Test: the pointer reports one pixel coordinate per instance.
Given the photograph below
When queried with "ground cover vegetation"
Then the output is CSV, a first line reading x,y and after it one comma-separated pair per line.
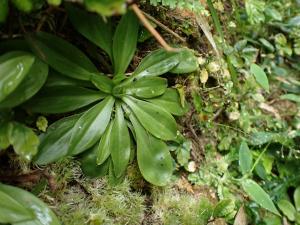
x,y
149,112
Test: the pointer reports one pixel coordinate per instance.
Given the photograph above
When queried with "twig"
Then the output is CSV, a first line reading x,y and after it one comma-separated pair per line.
x,y
164,27
150,28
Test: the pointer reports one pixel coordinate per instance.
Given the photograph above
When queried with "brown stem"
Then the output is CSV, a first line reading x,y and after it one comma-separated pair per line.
x,y
150,28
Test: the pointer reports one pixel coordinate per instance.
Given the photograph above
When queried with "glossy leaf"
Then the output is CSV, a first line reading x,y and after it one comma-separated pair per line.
x,y
291,97
54,144
57,79
297,198
157,121
24,141
93,27
153,156
148,87
32,83
91,125
104,147
120,143
245,158
156,63
102,82
188,62
42,214
170,101
287,208
61,56
61,99
124,42
89,166
12,211
259,195
14,66
260,76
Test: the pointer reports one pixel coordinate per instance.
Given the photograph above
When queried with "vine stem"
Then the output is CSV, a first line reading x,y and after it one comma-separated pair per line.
x,y
139,13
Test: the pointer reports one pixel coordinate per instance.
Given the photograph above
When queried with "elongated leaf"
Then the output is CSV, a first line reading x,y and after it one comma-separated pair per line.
x,y
57,79
24,141
89,166
93,27
170,101
259,195
91,125
154,159
12,211
32,83
120,143
104,149
62,99
124,42
154,119
224,208
148,87
297,198
291,97
61,56
188,62
245,158
287,208
42,214
260,76
156,63
102,82
54,144
14,67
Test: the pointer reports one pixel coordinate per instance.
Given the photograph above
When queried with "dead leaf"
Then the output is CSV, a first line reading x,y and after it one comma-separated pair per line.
x,y
241,217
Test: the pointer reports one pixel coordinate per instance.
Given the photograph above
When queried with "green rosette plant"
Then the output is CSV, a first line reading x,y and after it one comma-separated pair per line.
x,y
111,114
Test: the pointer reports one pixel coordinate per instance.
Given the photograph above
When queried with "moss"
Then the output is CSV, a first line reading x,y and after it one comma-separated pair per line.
x,y
173,207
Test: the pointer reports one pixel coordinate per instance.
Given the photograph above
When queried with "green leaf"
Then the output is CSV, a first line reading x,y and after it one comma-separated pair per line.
x,y
104,147
106,7
120,143
91,125
260,138
24,141
14,66
92,27
206,209
148,87
188,62
5,129
297,198
291,97
89,166
245,158
224,208
54,144
153,156
170,101
156,63
32,83
11,211
259,195
154,119
61,99
124,42
61,56
57,79
288,209
42,214
260,76
102,82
